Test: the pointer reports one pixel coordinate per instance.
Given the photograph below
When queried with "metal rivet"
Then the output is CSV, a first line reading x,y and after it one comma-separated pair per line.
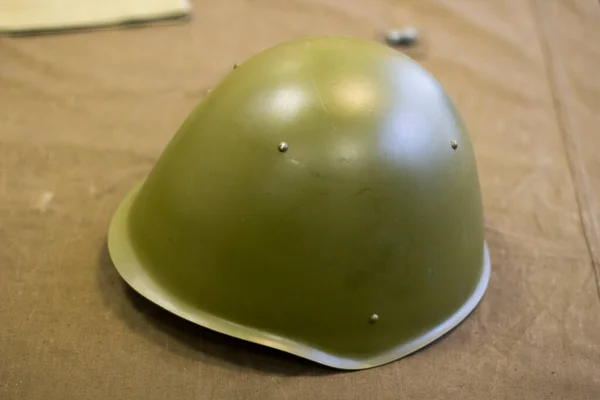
x,y
283,146
374,318
454,144
236,65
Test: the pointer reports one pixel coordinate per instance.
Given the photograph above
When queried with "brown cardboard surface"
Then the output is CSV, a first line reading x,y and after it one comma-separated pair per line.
x,y
574,65
84,116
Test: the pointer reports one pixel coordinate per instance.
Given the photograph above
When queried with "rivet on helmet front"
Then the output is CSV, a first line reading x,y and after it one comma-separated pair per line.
x,y
283,146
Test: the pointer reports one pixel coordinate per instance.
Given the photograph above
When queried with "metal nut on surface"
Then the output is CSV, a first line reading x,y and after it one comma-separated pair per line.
x,y
401,37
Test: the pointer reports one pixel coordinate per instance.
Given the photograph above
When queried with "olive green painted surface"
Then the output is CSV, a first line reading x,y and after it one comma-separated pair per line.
x,y
370,210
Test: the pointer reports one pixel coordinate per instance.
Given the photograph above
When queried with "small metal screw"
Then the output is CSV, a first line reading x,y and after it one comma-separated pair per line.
x,y
374,318
283,146
401,37
454,144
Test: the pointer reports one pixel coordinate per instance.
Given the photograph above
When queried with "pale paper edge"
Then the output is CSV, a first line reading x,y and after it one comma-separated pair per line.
x,y
39,15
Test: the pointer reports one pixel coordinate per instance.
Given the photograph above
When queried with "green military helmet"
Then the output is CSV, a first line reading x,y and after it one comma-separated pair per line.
x,y
323,200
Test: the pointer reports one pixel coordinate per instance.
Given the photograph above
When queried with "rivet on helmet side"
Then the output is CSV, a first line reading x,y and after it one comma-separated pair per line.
x,y
283,146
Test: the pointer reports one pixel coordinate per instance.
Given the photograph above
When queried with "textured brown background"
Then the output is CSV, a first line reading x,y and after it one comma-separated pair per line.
x,y
84,116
